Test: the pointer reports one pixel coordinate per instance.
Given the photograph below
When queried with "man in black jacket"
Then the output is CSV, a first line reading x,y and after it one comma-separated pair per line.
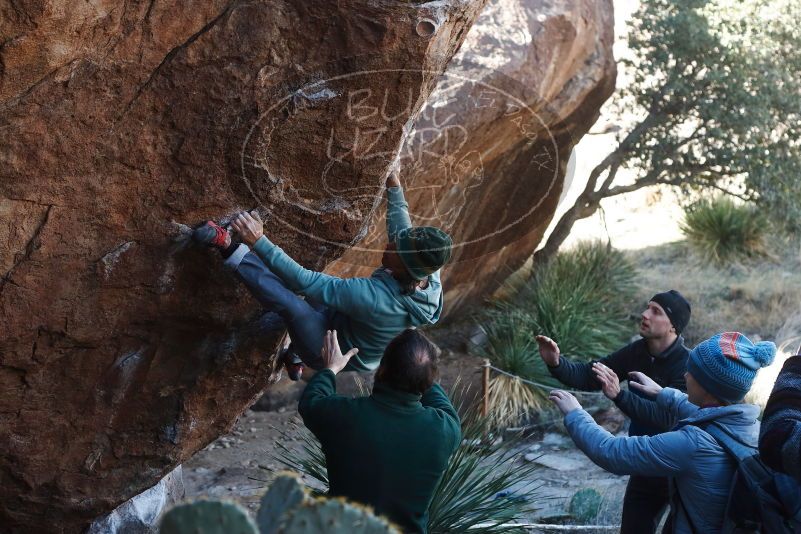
x,y
659,354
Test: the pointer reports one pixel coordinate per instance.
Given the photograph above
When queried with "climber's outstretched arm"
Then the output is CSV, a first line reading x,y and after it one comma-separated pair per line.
x,y
397,208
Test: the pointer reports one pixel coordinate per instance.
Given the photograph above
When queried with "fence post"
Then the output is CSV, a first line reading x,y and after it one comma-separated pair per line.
x,y
485,389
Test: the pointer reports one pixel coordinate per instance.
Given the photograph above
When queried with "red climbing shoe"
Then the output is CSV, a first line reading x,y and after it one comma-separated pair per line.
x,y
292,364
212,235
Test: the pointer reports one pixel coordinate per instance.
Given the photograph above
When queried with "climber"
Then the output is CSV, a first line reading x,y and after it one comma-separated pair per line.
x,y
405,291
720,371
388,450
659,353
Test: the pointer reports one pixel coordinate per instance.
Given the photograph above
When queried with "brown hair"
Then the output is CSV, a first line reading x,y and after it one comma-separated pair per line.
x,y
409,363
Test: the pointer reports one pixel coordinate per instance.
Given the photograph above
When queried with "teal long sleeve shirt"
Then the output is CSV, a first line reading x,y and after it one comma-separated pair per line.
x,y
370,311
388,450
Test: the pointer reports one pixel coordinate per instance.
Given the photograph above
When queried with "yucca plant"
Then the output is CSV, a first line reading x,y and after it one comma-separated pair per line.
x,y
581,298
511,347
309,462
722,230
483,489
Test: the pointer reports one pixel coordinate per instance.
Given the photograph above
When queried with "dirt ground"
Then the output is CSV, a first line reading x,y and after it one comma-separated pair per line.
x,y
240,465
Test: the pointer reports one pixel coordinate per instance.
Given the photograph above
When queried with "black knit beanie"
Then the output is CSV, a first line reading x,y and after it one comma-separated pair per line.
x,y
676,307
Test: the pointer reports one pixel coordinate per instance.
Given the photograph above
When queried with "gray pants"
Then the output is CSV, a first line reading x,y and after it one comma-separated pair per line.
x,y
305,320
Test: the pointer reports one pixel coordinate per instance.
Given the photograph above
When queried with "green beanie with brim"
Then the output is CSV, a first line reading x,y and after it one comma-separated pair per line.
x,y
423,250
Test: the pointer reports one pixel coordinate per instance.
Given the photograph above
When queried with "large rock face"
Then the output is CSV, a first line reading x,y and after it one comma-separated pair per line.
x,y
122,349
488,154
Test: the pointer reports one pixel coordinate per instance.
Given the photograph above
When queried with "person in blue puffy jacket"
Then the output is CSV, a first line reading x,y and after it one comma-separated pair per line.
x,y
720,372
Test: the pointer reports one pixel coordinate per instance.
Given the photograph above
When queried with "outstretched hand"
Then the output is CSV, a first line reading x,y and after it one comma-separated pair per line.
x,y
248,226
610,384
549,350
642,383
393,180
332,354
566,402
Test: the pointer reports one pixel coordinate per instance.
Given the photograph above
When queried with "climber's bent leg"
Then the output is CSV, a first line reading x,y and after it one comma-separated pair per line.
x,y
306,323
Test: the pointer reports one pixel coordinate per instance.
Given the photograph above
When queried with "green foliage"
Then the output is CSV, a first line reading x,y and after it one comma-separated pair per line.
x,y
285,493
468,493
714,102
310,461
724,231
511,347
483,488
334,515
580,299
285,508
718,95
207,517
510,344
585,505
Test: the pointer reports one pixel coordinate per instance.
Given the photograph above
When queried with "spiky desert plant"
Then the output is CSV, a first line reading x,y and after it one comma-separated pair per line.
x,y
207,517
309,461
510,347
723,231
475,491
485,489
580,299
286,508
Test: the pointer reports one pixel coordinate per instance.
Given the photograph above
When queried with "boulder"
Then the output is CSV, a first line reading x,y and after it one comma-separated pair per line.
x,y
140,514
488,155
123,350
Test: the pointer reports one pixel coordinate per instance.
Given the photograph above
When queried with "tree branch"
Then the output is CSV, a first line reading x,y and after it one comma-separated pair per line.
x,y
726,191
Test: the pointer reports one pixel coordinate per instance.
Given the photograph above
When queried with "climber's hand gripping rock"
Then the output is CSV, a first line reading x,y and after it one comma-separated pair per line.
x,y
249,227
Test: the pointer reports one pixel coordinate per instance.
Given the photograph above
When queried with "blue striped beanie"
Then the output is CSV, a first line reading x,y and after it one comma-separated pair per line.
x,y
726,364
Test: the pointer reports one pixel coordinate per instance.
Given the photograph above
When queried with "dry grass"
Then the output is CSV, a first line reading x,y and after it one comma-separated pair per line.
x,y
510,400
760,298
756,298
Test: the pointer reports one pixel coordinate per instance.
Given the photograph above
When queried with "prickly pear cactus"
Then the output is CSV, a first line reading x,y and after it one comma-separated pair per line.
x,y
585,505
285,493
207,517
335,515
285,509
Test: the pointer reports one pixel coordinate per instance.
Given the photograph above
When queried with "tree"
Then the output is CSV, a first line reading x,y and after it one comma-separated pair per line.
x,y
717,94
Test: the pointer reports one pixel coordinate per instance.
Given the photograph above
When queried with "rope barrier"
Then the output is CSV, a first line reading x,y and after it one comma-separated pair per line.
x,y
590,410
552,527
542,386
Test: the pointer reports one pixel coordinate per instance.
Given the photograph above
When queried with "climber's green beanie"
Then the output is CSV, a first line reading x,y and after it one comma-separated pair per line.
x,y
423,250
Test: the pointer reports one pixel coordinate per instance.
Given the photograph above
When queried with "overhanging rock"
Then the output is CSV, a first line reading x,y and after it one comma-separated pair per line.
x,y
122,350
488,155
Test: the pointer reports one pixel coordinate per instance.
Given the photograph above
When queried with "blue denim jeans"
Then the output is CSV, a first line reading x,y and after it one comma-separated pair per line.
x,y
305,320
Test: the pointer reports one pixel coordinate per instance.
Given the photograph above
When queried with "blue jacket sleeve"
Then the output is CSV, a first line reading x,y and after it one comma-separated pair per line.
x,y
437,399
662,455
355,297
397,212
